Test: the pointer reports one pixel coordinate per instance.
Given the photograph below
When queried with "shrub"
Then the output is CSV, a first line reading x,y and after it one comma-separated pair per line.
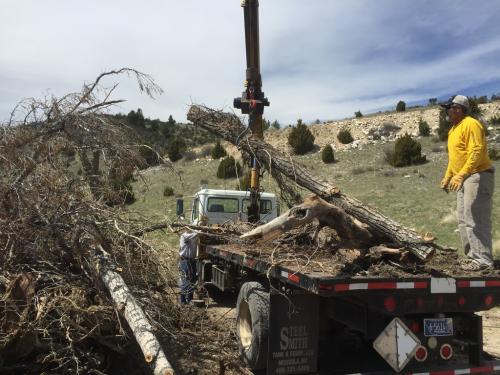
x,y
344,136
401,106
301,139
494,153
327,154
228,168
407,151
176,148
168,191
423,128
358,114
218,151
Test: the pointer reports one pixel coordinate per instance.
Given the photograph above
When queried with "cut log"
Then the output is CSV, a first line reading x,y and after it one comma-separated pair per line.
x,y
229,127
314,208
133,313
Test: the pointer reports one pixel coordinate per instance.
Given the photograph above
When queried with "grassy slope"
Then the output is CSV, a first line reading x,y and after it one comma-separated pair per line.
x,y
409,195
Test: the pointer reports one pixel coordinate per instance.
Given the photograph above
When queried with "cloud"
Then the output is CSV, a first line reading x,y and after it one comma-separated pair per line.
x,y
318,59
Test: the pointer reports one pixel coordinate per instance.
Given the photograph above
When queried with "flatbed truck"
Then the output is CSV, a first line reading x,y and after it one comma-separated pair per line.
x,y
292,319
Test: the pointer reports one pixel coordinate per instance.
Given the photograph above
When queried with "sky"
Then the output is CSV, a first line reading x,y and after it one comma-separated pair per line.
x,y
321,59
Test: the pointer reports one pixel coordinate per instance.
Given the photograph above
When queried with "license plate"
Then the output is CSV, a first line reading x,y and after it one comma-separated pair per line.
x,y
438,327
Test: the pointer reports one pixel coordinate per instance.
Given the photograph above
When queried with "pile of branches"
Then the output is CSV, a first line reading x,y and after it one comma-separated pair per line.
x,y
55,315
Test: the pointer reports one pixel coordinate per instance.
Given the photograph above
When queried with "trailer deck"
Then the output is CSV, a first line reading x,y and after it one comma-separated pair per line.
x,y
319,274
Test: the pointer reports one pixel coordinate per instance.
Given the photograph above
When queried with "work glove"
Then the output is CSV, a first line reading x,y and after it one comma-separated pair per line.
x,y
457,181
444,183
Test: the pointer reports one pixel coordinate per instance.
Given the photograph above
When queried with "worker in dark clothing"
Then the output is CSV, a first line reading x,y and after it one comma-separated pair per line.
x,y
187,265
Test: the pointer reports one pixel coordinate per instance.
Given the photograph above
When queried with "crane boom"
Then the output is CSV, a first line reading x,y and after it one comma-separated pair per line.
x,y
252,100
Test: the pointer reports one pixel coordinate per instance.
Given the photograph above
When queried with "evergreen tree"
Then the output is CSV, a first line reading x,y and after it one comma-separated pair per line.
x,y
171,121
132,118
176,148
344,136
139,118
407,151
327,154
401,106
218,151
301,139
275,125
423,128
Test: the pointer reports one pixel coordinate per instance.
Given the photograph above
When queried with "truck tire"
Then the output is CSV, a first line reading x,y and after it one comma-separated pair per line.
x,y
252,324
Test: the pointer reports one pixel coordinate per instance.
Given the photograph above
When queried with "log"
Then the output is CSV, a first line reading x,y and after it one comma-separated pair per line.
x,y
132,312
230,128
314,208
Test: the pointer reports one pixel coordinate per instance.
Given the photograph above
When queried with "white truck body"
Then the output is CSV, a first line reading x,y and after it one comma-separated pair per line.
x,y
221,206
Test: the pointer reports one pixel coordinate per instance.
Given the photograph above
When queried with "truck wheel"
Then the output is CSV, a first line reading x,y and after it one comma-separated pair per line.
x,y
252,324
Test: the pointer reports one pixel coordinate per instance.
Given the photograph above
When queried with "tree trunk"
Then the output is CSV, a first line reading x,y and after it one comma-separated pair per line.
x,y
314,208
229,127
133,314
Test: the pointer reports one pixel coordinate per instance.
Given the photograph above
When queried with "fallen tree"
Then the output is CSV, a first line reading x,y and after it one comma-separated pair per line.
x,y
125,302
230,128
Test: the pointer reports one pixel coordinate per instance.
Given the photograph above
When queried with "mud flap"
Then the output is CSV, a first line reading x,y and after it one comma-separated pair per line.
x,y
293,333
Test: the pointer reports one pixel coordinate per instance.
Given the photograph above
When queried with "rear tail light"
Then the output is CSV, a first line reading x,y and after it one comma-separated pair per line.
x,y
446,351
461,300
488,300
421,354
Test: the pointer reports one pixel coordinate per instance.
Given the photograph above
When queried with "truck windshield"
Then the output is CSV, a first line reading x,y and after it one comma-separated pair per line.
x,y
229,205
265,205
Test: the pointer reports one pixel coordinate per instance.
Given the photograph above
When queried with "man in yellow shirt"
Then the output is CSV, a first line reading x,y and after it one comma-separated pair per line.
x,y
471,174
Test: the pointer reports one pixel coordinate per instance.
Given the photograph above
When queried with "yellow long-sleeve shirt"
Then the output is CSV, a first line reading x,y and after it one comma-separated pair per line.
x,y
467,151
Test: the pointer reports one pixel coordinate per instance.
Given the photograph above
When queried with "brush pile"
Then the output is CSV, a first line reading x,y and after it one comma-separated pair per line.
x,y
64,240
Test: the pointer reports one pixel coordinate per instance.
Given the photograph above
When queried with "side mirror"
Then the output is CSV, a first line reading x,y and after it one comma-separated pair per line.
x,y
179,206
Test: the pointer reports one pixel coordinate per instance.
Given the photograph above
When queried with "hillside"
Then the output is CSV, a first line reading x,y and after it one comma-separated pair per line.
x,y
363,129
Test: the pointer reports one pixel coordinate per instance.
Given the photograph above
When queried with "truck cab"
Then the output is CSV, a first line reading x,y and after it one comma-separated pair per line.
x,y
220,206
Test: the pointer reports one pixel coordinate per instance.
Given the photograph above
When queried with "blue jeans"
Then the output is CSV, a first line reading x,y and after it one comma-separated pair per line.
x,y
187,270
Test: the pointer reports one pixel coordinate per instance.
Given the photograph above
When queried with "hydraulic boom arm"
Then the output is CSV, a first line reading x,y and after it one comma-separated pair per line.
x,y
252,100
